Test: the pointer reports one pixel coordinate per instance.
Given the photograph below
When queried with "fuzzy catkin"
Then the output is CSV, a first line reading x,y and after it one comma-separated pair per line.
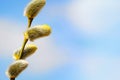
x,y
38,32
16,68
33,8
29,50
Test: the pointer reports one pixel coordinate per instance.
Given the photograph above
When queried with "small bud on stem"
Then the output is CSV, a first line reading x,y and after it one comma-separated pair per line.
x,y
37,32
33,8
16,68
29,50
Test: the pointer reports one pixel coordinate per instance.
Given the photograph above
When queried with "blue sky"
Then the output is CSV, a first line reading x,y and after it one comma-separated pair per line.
x,y
84,44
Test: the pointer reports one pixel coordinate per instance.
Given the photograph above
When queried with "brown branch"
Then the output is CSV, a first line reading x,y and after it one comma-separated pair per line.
x,y
12,78
25,39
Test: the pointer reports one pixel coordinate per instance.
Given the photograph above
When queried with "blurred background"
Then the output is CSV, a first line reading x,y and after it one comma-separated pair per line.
x,y
84,43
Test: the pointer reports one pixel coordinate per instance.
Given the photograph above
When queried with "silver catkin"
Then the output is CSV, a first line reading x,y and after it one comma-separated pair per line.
x,y
16,68
29,50
33,8
38,32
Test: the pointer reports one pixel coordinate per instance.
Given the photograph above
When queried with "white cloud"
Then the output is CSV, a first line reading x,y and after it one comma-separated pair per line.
x,y
47,57
10,36
96,67
93,16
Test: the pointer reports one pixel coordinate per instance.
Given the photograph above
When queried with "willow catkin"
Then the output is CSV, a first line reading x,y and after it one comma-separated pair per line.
x,y
33,8
16,68
29,50
37,32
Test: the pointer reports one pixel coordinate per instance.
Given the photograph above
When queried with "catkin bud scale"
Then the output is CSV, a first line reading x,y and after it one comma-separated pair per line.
x,y
33,8
29,50
37,32
16,68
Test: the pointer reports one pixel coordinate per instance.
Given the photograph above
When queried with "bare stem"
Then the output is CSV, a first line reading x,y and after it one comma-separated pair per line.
x,y
25,39
23,46
12,78
29,22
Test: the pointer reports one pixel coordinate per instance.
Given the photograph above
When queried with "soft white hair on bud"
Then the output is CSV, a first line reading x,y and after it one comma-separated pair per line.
x,y
33,8
38,32
29,50
16,68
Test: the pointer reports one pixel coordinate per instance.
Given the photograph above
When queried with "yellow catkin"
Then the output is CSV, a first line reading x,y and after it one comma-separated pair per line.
x,y
29,50
16,68
38,32
33,8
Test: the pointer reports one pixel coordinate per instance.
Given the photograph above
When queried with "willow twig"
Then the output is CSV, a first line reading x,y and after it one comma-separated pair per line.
x,y
12,78
25,39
